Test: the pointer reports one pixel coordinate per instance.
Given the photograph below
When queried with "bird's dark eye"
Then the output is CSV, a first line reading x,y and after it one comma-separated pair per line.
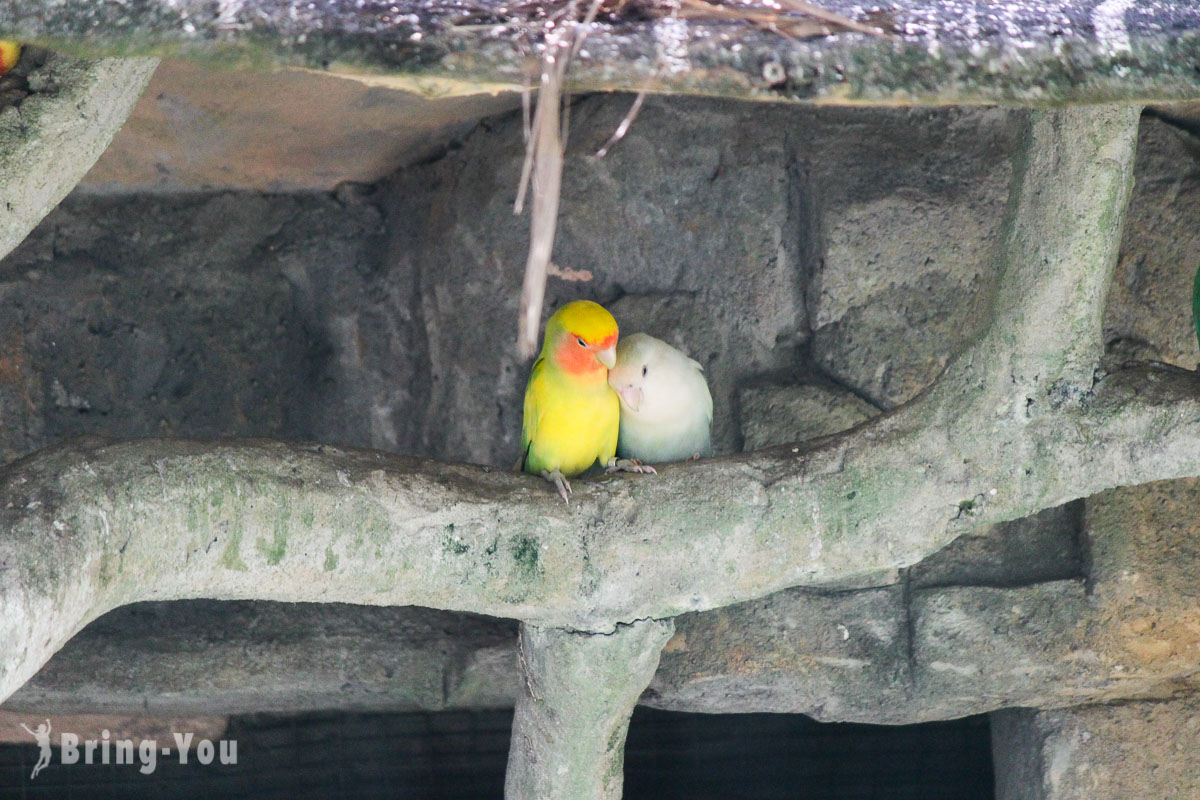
x,y
582,343
643,371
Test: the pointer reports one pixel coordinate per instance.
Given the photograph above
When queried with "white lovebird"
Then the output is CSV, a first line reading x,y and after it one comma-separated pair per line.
x,y
666,408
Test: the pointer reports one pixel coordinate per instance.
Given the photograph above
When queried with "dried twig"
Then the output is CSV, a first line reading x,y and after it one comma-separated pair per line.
x,y
544,153
830,17
542,171
823,24
565,29
623,128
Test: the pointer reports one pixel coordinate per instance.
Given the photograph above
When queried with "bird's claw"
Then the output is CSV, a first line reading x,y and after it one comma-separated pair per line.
x,y
560,482
629,465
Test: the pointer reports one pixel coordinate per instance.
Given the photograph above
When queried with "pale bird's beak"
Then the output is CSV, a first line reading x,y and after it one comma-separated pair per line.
x,y
631,396
608,357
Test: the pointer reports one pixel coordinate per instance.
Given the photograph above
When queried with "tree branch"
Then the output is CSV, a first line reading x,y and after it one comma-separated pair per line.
x,y
573,712
58,133
1072,180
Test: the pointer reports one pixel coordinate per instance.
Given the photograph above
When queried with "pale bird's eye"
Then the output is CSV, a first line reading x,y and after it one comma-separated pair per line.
x,y
582,343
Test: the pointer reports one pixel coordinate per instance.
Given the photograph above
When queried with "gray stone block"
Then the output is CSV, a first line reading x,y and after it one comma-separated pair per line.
x,y
229,314
1108,752
976,649
909,234
207,657
1149,309
831,656
783,414
1043,547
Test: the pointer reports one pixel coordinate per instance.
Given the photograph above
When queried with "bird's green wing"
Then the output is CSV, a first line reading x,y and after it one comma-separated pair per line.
x,y
1196,304
531,414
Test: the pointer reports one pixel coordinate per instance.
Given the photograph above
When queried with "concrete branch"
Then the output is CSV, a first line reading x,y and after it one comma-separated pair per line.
x,y
55,135
573,712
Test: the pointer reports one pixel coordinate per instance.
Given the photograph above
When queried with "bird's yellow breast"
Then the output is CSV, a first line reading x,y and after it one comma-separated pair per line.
x,y
568,426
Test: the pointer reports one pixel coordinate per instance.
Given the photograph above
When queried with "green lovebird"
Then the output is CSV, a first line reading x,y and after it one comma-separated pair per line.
x,y
571,413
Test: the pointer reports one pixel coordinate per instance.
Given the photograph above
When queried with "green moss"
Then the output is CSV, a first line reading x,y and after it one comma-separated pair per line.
x,y
307,517
489,555
231,556
526,555
452,544
528,568
378,529
616,743
275,549
106,571
331,559
589,581
1196,304
369,524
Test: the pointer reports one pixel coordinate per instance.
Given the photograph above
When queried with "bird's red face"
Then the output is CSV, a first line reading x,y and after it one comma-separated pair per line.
x,y
581,340
580,356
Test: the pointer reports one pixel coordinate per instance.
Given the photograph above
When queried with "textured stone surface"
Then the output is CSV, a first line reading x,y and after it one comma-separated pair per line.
x,y
1145,749
936,652
1044,547
844,655
883,655
908,267
995,648
206,657
572,713
898,654
209,315
202,125
1149,313
783,414
1142,542
355,323
56,133
330,300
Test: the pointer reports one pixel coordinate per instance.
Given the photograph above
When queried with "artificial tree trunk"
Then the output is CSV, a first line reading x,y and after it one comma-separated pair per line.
x,y
573,711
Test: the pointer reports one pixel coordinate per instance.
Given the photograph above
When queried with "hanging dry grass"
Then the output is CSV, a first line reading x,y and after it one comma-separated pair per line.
x,y
563,27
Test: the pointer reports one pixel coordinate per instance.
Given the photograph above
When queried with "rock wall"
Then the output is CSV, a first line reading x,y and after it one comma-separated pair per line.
x,y
1139,749
777,245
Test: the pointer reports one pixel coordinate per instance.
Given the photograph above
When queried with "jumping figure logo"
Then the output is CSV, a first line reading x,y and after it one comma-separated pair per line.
x,y
42,734
122,751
